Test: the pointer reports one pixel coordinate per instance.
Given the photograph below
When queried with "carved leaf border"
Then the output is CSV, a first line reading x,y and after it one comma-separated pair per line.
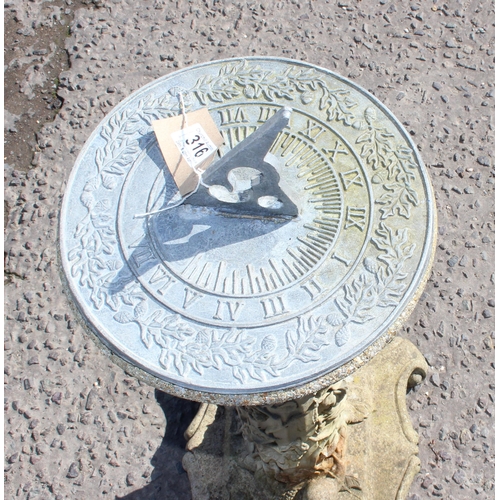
x,y
96,232
378,284
397,167
184,348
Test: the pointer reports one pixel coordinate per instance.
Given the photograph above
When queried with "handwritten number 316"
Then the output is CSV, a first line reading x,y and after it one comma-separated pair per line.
x,y
197,149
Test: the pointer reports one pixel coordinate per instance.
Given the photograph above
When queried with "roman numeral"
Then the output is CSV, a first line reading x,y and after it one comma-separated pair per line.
x,y
273,307
313,130
312,288
140,257
231,115
143,252
163,289
346,262
190,297
355,217
332,153
228,307
158,275
351,177
266,113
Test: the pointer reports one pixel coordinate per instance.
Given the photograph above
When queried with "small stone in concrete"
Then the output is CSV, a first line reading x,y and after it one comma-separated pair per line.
x,y
435,379
73,471
459,476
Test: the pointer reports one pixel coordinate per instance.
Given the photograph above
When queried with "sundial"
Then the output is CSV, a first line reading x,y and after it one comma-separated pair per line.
x,y
303,247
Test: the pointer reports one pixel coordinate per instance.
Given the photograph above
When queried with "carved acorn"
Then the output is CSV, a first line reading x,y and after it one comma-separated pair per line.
x,y
109,181
202,338
370,265
92,184
306,97
370,115
249,91
335,319
342,336
268,344
87,199
141,309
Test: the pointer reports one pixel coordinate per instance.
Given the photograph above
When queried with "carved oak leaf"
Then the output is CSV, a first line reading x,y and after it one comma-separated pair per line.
x,y
215,89
121,160
180,363
164,358
277,90
234,69
82,230
325,94
146,336
388,241
331,106
102,205
391,295
407,197
376,146
292,339
238,374
254,372
112,301
151,329
106,132
394,245
233,353
218,361
398,199
74,253
176,329
97,297
401,165
197,367
304,342
271,368
359,299
303,79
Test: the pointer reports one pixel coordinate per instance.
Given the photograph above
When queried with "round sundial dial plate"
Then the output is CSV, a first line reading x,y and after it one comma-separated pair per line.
x,y
227,305
214,267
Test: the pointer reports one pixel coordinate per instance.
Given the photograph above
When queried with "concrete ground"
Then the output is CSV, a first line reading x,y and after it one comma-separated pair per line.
x,y
76,426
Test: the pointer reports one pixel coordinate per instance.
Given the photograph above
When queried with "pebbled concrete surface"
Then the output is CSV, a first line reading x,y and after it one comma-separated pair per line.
x,y
76,426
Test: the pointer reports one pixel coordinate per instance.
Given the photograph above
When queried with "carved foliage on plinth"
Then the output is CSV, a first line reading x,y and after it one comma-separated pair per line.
x,y
300,439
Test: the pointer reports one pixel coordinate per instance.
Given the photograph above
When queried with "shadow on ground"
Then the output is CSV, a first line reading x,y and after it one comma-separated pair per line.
x,y
169,481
